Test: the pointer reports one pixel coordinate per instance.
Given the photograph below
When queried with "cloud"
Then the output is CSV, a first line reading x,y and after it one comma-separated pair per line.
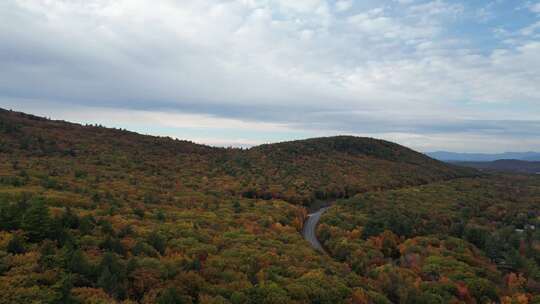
x,y
436,8
531,30
343,5
534,7
281,68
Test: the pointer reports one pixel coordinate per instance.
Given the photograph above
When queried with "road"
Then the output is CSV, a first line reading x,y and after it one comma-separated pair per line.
x,y
310,227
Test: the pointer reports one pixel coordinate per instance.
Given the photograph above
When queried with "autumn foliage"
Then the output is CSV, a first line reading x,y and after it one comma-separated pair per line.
x,y
96,215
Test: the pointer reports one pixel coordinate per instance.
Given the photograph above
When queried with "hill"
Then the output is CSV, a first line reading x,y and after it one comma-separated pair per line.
x,y
508,165
298,171
333,167
96,215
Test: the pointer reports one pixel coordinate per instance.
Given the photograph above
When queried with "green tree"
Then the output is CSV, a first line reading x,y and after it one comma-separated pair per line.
x,y
237,207
112,276
157,241
87,224
483,290
16,245
477,235
77,263
11,214
63,290
161,216
112,244
36,221
172,296
268,294
70,220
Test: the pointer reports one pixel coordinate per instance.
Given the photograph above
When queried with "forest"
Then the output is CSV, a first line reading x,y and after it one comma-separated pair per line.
x,y
90,214
468,239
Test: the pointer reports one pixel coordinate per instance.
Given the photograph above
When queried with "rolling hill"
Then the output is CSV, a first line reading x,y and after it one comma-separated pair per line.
x,y
506,165
298,171
90,214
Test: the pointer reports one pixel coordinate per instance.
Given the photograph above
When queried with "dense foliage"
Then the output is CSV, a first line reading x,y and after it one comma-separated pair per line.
x,y
460,240
335,167
96,215
299,171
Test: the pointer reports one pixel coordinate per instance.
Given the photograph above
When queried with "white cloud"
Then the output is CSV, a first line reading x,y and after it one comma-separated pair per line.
x,y
379,26
157,118
436,8
531,30
266,65
534,7
343,5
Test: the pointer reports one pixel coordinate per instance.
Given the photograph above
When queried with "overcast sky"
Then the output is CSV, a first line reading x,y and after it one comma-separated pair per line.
x,y
432,75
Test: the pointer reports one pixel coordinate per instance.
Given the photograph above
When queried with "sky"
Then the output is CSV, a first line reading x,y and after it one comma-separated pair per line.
x,y
460,76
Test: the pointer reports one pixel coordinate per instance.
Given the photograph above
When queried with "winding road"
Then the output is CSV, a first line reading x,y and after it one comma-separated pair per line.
x,y
310,226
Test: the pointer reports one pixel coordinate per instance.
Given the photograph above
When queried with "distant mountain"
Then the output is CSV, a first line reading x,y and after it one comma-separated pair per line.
x,y
483,157
508,165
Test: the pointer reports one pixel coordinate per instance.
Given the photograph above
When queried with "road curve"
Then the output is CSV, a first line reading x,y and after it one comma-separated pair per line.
x,y
310,226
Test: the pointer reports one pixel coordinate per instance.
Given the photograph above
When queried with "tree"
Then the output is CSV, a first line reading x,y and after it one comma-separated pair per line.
x,y
157,241
139,212
237,207
63,288
16,245
160,215
172,296
87,224
77,263
483,290
11,214
112,244
36,221
372,227
112,276
268,294
69,219
477,235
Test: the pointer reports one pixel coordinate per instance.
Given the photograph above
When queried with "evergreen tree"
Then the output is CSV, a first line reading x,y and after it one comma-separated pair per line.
x,y
69,219
16,245
237,207
11,215
171,296
63,288
77,263
36,221
157,241
161,215
87,224
112,276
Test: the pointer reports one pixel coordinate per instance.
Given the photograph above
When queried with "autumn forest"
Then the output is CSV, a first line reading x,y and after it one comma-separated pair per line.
x,y
90,214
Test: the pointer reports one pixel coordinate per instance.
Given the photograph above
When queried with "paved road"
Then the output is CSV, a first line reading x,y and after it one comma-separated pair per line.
x,y
309,229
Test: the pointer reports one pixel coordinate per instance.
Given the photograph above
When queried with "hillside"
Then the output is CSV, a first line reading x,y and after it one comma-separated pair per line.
x,y
507,165
465,240
298,171
96,215
334,167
